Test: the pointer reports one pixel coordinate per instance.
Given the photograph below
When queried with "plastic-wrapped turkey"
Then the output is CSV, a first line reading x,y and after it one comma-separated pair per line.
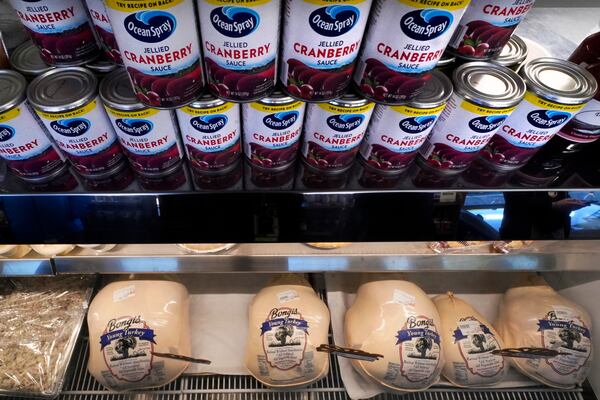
x,y
399,321
468,341
287,322
537,316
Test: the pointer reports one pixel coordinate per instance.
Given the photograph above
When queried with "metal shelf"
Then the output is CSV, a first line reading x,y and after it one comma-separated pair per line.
x,y
25,267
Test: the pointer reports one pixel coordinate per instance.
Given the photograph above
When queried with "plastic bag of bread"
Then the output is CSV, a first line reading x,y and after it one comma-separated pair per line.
x,y
287,322
468,340
535,315
129,322
399,321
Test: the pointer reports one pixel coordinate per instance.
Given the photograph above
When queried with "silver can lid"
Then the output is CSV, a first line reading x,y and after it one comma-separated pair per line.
x,y
513,53
446,59
62,89
277,98
207,100
13,87
27,60
350,99
436,92
559,80
488,85
116,92
101,66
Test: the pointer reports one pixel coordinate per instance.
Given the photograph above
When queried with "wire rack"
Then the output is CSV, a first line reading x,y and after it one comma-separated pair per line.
x,y
82,386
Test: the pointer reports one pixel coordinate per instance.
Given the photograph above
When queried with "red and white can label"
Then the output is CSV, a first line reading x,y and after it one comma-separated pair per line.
x,y
321,40
60,29
487,26
160,48
86,136
240,41
462,130
104,30
395,134
272,132
149,138
590,115
24,144
211,135
333,134
532,125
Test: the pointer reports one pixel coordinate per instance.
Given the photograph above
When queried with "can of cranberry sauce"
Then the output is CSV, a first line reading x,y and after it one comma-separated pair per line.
x,y
405,40
485,94
26,59
67,102
556,91
321,41
104,30
513,53
211,132
24,144
486,27
60,29
333,131
396,133
241,41
272,129
160,46
149,136
102,67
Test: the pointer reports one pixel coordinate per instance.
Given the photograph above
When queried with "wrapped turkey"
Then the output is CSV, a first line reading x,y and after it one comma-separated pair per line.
x,y
287,322
399,321
537,316
129,322
468,341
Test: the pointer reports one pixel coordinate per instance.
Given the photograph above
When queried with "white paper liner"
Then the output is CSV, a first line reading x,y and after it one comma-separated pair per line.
x,y
341,295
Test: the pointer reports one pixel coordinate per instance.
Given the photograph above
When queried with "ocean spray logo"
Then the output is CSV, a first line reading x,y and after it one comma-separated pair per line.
x,y
334,20
71,127
345,122
281,120
545,119
150,26
6,133
416,125
486,124
234,21
426,24
134,127
209,123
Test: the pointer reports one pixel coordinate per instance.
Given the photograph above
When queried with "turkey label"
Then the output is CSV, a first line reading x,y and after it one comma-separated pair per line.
x,y
127,345
419,350
476,343
565,332
284,335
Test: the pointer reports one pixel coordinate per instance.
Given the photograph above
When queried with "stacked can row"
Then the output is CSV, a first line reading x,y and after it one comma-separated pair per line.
x,y
388,48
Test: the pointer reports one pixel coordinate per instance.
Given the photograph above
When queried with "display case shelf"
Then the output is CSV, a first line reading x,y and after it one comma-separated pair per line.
x,y
28,266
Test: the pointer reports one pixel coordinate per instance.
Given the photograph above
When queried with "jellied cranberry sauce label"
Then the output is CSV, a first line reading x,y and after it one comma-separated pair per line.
x,y
531,126
61,30
462,130
160,46
211,135
590,116
86,136
272,133
240,41
487,26
104,30
149,138
24,144
406,39
395,134
332,134
321,40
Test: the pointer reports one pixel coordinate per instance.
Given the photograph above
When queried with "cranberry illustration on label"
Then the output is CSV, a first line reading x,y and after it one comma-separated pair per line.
x,y
104,30
321,43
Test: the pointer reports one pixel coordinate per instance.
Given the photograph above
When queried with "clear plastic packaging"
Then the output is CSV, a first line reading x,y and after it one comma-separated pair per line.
x,y
40,319
460,247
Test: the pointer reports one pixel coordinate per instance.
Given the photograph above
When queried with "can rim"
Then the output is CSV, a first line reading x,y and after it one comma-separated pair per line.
x,y
169,171
24,52
350,99
112,171
307,165
516,52
119,102
16,92
207,100
467,76
388,173
431,96
224,170
102,65
537,73
277,97
47,102
47,177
